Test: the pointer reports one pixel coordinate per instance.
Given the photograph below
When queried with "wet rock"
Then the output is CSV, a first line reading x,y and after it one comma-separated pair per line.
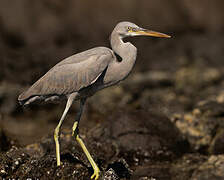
x,y
121,168
197,135
183,167
39,161
192,76
211,108
146,133
12,161
23,163
217,145
110,175
201,125
152,172
213,169
158,152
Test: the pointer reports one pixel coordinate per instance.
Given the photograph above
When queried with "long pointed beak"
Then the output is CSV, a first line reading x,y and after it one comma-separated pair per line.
x,y
146,32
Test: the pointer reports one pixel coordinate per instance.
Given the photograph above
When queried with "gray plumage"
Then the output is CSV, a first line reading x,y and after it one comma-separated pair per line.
x,y
83,74
71,75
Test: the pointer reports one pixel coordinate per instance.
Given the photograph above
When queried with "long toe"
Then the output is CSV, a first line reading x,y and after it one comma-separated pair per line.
x,y
95,174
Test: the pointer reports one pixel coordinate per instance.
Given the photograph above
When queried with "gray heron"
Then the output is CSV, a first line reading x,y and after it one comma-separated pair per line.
x,y
81,75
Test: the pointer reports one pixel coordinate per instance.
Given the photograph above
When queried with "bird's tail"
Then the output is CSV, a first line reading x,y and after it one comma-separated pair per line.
x,y
21,99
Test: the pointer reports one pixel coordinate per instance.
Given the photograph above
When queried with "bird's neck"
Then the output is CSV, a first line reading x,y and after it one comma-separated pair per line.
x,y
127,52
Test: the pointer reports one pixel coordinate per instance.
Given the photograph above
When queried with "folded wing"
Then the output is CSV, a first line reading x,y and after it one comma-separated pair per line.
x,y
70,75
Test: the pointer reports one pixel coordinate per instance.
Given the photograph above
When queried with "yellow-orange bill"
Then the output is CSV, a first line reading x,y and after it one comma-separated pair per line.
x,y
153,33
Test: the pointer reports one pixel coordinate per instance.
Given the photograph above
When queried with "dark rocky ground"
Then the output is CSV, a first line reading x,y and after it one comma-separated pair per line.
x,y
166,121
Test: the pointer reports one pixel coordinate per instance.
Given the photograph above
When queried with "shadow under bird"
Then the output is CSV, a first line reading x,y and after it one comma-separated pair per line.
x,y
81,75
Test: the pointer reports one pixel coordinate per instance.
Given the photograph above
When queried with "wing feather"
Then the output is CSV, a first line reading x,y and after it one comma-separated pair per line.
x,y
71,75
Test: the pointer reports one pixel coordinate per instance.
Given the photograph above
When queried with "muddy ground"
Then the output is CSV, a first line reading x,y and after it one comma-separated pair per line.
x,y
165,121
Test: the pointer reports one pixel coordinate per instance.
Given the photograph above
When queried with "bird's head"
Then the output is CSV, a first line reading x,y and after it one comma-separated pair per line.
x,y
125,29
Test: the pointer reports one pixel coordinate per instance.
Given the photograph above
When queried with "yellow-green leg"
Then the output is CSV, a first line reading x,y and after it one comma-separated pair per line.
x,y
89,157
75,132
57,129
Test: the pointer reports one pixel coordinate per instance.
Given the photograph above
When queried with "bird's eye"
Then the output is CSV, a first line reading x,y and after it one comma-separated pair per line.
x,y
128,28
134,29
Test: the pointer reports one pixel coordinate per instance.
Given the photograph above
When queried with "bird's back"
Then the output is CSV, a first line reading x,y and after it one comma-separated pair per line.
x,y
70,75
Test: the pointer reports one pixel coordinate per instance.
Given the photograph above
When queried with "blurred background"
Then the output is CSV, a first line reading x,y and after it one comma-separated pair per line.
x,y
170,76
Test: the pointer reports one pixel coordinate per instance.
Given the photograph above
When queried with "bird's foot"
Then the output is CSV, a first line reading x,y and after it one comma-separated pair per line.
x,y
96,173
